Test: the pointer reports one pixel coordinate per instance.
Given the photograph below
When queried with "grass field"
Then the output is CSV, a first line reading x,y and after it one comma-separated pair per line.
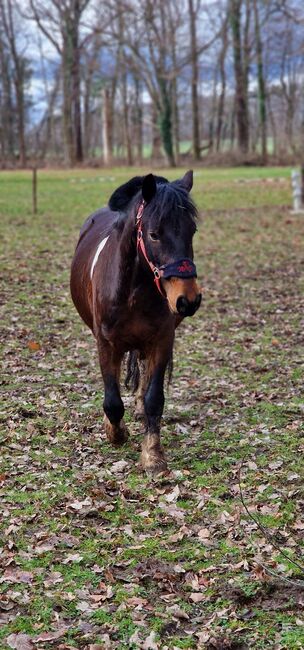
x,y
92,553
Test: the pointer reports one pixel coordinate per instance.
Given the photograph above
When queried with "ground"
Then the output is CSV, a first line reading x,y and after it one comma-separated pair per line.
x,y
93,553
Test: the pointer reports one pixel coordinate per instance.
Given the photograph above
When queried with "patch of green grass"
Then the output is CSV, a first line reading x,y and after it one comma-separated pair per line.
x,y
235,401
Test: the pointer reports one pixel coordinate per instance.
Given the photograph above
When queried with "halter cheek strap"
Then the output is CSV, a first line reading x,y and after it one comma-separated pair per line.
x,y
141,246
184,268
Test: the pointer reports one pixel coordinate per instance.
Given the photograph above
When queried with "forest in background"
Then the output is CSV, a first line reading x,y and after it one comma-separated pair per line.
x,y
121,81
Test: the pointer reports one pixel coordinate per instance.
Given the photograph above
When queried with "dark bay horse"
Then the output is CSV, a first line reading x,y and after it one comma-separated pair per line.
x,y
132,281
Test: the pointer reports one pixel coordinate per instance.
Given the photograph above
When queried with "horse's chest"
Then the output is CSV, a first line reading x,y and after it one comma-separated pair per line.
x,y
131,332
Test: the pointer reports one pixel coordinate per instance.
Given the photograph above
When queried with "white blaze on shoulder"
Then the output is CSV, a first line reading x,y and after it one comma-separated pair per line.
x,y
96,256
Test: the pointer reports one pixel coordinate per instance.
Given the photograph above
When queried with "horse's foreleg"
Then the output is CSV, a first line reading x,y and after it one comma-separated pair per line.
x,y
152,454
113,407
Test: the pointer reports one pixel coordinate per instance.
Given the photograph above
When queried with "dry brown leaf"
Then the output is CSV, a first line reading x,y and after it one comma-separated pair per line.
x,y
177,612
203,533
137,602
17,575
150,643
34,346
20,642
119,466
173,496
50,636
197,597
72,557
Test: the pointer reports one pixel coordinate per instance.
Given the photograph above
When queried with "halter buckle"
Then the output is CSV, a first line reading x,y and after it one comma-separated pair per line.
x,y
140,213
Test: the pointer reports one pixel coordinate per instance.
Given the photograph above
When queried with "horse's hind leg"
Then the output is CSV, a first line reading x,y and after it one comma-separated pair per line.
x,y
142,389
113,407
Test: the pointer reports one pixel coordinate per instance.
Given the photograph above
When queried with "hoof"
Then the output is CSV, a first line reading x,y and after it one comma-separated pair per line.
x,y
117,434
152,456
157,467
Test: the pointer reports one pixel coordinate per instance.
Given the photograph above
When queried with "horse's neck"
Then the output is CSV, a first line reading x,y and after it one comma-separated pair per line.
x,y
125,261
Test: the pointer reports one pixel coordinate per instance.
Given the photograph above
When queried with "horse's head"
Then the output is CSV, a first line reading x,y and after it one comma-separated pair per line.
x,y
165,220
167,224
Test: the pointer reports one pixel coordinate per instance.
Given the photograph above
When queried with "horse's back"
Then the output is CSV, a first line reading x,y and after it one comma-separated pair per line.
x,y
96,227
98,224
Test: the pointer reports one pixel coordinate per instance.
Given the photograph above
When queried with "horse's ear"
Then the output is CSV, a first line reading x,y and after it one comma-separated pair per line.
x,y
122,196
187,180
149,187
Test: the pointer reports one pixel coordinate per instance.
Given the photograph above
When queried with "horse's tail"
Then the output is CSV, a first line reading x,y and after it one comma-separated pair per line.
x,y
133,371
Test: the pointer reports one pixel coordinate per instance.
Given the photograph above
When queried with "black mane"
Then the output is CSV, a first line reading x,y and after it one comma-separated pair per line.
x,y
123,195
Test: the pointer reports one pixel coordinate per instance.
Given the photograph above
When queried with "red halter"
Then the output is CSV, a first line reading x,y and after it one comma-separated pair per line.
x,y
141,245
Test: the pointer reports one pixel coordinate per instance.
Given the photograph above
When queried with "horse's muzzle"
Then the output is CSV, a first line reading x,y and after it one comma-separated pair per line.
x,y
184,296
186,307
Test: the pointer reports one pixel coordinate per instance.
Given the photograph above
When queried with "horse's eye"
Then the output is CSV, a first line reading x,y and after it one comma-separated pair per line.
x,y
154,236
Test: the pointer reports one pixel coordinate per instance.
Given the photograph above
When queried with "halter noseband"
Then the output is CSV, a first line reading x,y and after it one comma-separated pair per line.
x,y
184,268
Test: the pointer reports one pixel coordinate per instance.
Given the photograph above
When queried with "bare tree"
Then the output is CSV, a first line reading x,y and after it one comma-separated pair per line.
x,y
19,70
6,104
261,81
241,63
196,144
60,24
223,81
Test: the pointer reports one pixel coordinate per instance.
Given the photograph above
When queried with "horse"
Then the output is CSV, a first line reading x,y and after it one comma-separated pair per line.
x,y
133,280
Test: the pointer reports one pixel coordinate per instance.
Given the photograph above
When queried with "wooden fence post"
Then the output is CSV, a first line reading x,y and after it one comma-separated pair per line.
x,y
34,190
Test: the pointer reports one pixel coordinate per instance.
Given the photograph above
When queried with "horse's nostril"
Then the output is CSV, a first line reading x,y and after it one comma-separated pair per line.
x,y
187,308
182,305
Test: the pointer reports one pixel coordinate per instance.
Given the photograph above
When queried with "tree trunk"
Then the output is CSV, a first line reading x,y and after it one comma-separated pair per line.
x,y
175,122
261,83
138,123
69,151
125,113
20,120
18,74
221,103
196,145
107,124
165,123
156,139
273,126
7,113
87,122
240,77
77,106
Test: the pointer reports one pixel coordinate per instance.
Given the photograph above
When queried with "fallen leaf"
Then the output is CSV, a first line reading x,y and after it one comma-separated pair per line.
x,y
72,557
17,575
276,464
177,612
292,476
197,597
203,533
51,636
34,346
19,641
137,602
150,643
173,496
119,467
